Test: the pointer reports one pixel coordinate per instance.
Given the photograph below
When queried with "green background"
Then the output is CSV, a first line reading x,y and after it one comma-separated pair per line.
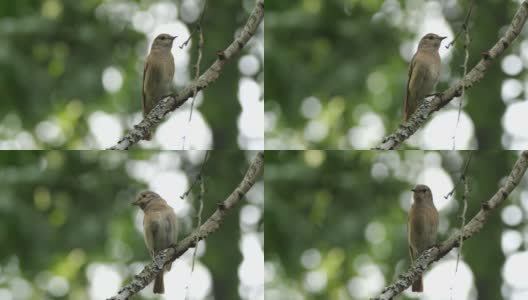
x,y
61,213
328,201
328,49
53,54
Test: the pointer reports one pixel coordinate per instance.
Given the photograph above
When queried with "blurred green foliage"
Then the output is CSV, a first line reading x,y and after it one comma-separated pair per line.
x,y
61,211
331,49
53,54
333,201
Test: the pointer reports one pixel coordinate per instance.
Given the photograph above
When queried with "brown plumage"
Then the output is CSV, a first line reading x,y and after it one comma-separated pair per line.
x,y
424,72
422,226
158,74
160,228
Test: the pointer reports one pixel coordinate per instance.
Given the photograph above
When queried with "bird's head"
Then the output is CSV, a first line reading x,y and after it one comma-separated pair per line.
x,y
431,41
163,41
145,198
422,192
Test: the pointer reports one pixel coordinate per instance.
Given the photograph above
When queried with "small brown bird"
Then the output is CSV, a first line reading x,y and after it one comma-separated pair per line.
x,y
160,228
422,226
158,74
424,72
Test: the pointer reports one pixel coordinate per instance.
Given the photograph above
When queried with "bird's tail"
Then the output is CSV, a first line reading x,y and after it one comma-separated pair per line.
x,y
417,286
158,284
148,137
408,108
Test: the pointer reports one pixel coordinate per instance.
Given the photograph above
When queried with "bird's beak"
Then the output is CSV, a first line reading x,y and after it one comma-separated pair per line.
x,y
135,203
173,37
443,37
413,190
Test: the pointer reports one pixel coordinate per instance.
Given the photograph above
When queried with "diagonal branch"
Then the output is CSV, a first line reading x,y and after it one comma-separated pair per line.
x,y
476,74
170,103
475,225
148,274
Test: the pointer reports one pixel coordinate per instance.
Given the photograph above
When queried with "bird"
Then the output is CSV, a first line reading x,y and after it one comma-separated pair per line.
x,y
424,72
160,226
157,74
422,226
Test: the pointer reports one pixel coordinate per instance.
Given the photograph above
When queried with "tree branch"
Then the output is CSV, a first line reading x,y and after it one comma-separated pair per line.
x,y
170,103
475,225
476,74
148,274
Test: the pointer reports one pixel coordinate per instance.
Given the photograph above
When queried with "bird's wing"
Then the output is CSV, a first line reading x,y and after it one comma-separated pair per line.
x,y
411,254
143,102
409,76
151,231
175,228
406,107
417,77
434,221
171,66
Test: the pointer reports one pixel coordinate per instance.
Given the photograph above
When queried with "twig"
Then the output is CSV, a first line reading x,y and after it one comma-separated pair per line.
x,y
196,67
463,178
427,108
467,40
206,157
462,175
464,27
465,198
212,224
199,178
199,217
196,27
474,226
